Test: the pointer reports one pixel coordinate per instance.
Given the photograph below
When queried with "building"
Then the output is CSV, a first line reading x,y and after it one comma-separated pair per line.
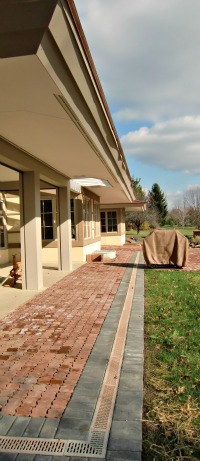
x,y
64,180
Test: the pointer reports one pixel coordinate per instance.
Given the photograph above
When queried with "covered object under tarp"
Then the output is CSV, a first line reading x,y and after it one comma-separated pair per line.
x,y
165,247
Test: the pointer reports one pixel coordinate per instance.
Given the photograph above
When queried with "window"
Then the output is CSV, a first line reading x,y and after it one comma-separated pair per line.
x,y
2,233
47,219
73,219
96,217
112,221
87,217
2,225
108,221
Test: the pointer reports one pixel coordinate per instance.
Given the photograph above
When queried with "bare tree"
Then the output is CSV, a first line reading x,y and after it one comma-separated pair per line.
x,y
137,219
192,200
179,213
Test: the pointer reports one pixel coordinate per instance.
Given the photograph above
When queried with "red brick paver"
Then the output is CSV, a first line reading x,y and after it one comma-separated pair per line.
x,y
46,342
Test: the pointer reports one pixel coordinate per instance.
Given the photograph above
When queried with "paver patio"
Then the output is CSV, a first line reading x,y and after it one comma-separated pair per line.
x,y
46,342
45,346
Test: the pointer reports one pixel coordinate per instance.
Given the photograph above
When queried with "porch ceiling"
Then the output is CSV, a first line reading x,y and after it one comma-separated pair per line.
x,y
74,139
32,118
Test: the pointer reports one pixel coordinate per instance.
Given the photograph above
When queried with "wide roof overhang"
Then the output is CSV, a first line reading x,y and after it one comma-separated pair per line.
x,y
53,110
136,206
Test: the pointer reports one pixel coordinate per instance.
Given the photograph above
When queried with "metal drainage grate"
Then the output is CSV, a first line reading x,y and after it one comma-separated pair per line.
x,y
83,449
32,446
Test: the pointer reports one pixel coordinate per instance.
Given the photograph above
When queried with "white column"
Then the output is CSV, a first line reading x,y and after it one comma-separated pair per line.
x,y
64,229
31,246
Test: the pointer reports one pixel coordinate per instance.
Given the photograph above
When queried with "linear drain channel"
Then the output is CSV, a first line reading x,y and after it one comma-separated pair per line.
x,y
102,419
50,447
83,449
32,446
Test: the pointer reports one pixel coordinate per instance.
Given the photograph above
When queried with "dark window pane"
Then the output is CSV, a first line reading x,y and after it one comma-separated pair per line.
x,y
2,241
112,228
47,219
112,221
72,204
47,206
103,221
73,231
48,233
73,224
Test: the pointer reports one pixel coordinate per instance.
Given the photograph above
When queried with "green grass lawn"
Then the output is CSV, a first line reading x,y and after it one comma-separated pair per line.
x,y
171,427
187,231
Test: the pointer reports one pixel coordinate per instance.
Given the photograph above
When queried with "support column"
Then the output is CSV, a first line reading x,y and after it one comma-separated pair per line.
x,y
64,229
31,248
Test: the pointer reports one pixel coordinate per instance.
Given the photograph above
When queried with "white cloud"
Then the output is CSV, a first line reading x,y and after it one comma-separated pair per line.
x,y
147,54
193,187
174,198
173,144
177,198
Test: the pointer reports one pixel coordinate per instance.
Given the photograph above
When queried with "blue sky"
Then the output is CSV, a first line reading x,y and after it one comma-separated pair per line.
x,y
146,53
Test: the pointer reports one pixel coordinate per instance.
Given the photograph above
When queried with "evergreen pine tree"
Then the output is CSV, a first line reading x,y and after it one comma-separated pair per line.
x,y
138,191
157,201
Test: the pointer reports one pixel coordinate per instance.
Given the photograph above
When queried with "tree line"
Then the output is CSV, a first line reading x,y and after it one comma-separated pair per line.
x,y
187,212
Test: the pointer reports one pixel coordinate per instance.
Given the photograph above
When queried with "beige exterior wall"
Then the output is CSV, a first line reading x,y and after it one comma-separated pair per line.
x,y
81,246
80,253
50,256
4,256
113,240
119,237
88,237
123,227
13,215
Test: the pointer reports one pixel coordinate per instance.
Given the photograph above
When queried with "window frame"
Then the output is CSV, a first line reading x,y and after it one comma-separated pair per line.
x,y
96,218
87,217
54,220
106,222
73,213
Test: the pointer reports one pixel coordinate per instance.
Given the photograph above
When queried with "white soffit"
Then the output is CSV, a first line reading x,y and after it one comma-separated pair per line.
x,y
92,182
132,207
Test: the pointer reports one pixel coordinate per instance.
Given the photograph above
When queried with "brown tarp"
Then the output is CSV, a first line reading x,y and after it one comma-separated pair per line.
x,y
165,247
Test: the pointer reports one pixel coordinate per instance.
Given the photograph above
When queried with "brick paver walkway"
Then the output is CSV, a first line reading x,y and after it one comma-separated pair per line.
x,y
46,342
